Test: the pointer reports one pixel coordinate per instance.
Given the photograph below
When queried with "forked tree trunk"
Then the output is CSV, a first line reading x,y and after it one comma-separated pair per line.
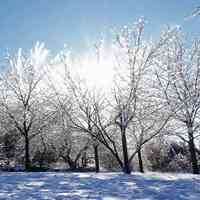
x,y
140,161
193,157
72,164
96,157
126,166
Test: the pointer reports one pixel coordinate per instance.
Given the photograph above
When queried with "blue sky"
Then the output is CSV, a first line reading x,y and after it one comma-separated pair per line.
x,y
77,22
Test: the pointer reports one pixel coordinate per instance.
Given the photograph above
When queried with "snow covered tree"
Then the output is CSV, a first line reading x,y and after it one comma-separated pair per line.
x,y
71,142
178,78
135,58
22,100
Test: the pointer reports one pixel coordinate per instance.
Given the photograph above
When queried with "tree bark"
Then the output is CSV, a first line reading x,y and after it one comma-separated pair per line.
x,y
71,163
96,156
193,157
84,160
140,161
126,166
27,155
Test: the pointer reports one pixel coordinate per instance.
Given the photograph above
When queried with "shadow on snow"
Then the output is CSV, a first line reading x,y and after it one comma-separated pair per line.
x,y
103,186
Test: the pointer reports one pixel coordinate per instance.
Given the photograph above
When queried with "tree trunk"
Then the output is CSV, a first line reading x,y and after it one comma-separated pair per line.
x,y
96,156
126,167
27,155
193,157
41,163
140,161
71,163
83,160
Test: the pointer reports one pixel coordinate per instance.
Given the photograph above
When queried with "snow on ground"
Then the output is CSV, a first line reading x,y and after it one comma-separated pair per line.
x,y
102,186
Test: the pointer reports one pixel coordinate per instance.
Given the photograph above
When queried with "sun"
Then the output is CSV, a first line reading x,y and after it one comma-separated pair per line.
x,y
97,71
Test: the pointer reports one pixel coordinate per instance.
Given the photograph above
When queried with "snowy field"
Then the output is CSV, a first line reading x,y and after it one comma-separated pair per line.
x,y
103,186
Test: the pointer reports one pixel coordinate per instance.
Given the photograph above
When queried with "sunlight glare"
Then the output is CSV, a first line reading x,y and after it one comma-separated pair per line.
x,y
97,71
